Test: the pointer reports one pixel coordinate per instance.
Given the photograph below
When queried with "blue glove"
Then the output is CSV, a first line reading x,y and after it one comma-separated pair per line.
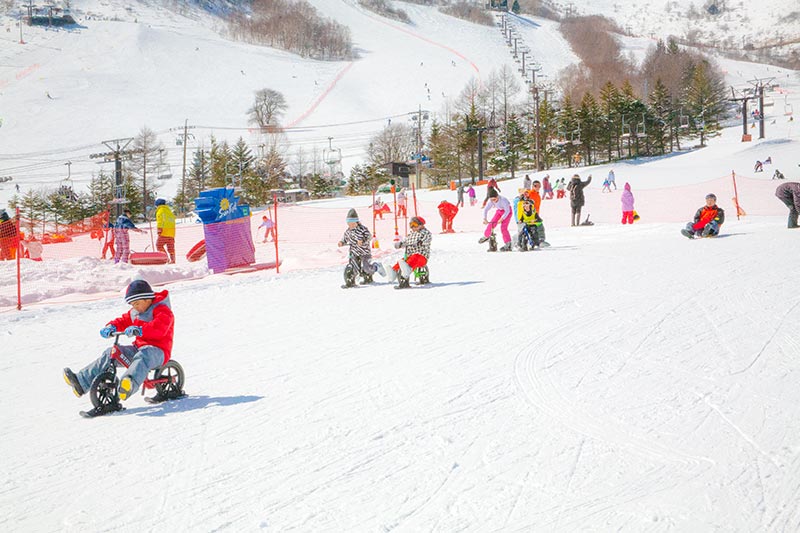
x,y
107,331
133,331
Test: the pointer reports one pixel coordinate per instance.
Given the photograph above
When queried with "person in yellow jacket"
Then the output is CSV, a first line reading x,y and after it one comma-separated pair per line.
x,y
165,222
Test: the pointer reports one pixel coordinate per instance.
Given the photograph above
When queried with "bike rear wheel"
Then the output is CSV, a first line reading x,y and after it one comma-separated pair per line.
x,y
173,387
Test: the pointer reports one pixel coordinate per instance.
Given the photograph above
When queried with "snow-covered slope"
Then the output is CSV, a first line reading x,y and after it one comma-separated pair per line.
x,y
734,25
623,379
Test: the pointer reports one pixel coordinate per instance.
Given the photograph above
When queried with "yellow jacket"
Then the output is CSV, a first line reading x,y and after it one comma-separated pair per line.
x,y
528,219
165,221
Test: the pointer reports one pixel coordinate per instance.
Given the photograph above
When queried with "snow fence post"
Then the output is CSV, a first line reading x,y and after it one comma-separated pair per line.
x,y
275,233
19,274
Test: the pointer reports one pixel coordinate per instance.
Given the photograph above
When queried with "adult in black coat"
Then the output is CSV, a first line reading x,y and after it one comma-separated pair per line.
x,y
576,197
789,194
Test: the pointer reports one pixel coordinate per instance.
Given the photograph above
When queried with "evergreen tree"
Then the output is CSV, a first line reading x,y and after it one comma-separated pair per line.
x,y
610,107
267,176
706,103
220,155
365,179
664,115
32,207
101,192
590,118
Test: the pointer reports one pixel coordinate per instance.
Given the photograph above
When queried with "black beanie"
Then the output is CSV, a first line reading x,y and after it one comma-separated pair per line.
x,y
492,192
139,289
352,216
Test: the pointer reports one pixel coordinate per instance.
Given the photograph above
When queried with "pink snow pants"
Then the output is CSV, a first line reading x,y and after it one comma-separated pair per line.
x,y
503,226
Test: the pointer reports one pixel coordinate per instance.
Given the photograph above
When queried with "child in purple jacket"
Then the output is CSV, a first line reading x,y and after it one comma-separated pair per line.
x,y
627,205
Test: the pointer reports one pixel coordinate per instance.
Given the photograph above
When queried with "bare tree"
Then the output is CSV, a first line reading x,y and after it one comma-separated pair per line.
x,y
393,144
267,110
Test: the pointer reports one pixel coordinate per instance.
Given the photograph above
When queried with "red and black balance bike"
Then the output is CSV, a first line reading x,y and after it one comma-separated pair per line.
x,y
167,380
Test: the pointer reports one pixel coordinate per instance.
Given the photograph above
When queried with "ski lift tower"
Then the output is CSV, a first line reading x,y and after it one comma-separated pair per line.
x,y
743,99
117,154
758,92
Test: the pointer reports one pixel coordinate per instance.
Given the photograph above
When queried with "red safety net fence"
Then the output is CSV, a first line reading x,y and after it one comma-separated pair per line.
x,y
45,263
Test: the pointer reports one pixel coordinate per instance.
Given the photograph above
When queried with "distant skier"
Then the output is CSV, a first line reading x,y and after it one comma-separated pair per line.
x,y
759,167
357,236
707,220
526,183
789,194
561,185
472,195
269,231
460,196
548,188
576,197
778,175
612,180
402,203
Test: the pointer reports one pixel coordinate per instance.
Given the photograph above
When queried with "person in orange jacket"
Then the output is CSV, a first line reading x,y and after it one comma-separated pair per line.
x,y
448,212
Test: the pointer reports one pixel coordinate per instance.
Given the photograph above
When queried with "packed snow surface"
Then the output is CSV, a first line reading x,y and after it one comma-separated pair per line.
x,y
625,378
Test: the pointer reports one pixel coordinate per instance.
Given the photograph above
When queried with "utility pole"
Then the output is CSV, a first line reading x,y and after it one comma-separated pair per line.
x,y
117,154
21,41
480,130
536,126
185,139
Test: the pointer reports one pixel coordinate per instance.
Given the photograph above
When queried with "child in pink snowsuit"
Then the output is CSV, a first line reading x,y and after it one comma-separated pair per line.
x,y
502,214
627,205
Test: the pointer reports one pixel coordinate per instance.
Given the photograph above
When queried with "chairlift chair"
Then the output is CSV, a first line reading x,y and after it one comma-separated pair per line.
x,y
787,107
641,128
683,122
626,129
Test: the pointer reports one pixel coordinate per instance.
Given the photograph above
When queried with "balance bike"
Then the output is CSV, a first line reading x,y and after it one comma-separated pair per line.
x,y
167,380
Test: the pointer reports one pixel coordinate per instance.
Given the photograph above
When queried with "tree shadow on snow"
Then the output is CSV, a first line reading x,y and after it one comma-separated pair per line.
x,y
190,403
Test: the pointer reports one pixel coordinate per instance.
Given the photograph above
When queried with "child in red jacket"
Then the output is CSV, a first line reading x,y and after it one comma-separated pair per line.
x,y
151,321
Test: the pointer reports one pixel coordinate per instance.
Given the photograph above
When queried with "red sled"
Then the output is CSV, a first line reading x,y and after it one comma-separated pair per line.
x,y
148,258
197,252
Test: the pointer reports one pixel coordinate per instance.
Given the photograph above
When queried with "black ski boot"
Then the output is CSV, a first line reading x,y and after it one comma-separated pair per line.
x,y
404,283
